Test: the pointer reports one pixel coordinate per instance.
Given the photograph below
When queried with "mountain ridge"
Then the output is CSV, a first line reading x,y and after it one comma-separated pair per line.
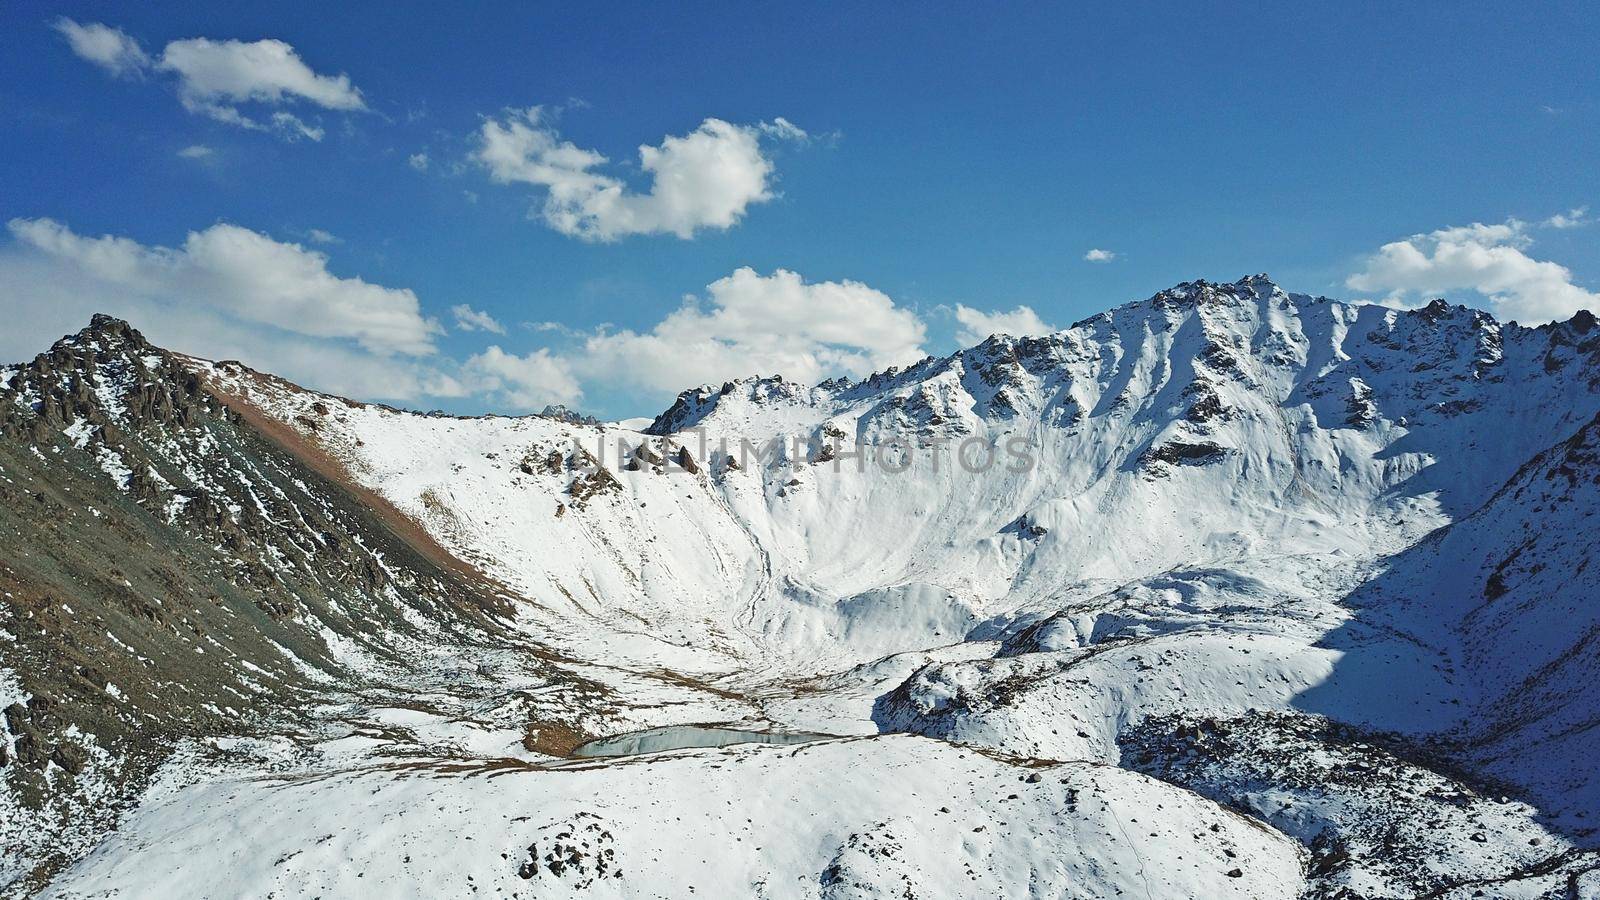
x,y
1226,550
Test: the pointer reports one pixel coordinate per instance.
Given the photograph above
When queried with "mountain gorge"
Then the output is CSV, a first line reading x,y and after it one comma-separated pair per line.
x,y
1226,592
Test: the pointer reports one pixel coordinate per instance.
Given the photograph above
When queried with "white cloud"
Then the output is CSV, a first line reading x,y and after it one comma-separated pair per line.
x,y
45,299
318,236
977,325
704,179
294,128
227,292
214,77
230,293
759,324
1572,218
783,129
196,151
1099,256
1490,260
523,382
217,78
242,274
109,48
469,319
418,161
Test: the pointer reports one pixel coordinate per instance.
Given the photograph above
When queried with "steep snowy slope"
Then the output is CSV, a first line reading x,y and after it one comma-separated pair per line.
x,y
1181,538
1207,424
1512,589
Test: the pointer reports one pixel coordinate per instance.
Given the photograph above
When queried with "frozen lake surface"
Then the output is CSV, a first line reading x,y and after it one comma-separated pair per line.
x,y
681,737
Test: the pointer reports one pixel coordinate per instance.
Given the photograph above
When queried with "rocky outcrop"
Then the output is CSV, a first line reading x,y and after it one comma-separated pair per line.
x,y
1183,453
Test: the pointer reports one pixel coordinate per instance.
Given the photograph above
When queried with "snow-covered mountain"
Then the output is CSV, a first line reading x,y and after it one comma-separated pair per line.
x,y
1227,592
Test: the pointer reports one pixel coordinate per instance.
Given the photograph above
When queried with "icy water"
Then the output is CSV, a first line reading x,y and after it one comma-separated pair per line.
x,y
680,737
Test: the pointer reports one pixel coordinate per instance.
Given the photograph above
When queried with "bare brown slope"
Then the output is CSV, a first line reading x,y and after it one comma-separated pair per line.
x,y
320,461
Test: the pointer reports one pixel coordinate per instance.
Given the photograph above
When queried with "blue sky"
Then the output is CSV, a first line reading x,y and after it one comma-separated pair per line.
x,y
952,157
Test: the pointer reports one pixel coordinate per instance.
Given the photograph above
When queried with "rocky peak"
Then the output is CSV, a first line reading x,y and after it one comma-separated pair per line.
x,y
106,375
695,404
111,327
105,339
1227,335
1440,310
561,413
1199,293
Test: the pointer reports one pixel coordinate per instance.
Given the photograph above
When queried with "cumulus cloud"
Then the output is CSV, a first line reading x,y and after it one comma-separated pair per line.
x,y
1489,260
45,299
707,178
219,78
759,324
318,236
109,48
469,319
215,77
227,292
245,275
234,293
528,382
976,325
418,161
1099,256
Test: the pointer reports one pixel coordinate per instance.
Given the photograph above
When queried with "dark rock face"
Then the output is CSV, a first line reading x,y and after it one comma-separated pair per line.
x,y
593,480
1360,408
61,382
1185,453
143,522
1206,405
686,461
643,458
